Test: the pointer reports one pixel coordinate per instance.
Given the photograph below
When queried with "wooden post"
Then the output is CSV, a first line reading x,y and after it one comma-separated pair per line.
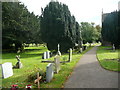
x,y
38,79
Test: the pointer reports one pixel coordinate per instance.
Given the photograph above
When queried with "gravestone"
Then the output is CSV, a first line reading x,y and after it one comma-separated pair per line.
x,y
49,72
47,54
7,70
70,55
113,47
44,55
18,64
57,63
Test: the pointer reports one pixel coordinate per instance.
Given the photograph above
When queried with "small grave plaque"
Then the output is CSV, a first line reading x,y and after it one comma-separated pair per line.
x,y
49,72
7,70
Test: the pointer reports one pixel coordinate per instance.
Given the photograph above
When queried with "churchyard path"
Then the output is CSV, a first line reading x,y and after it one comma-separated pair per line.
x,y
89,74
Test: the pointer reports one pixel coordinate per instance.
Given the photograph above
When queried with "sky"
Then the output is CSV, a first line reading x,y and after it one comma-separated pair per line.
x,y
83,10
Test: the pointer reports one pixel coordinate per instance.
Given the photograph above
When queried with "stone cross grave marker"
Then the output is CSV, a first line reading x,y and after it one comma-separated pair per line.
x,y
7,70
38,79
59,53
57,63
70,55
49,72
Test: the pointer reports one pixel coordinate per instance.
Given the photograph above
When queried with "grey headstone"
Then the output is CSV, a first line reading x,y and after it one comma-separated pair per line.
x,y
70,55
7,70
57,63
49,72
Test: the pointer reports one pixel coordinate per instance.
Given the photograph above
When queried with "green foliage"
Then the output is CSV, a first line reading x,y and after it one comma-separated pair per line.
x,y
89,32
33,76
18,25
59,27
110,28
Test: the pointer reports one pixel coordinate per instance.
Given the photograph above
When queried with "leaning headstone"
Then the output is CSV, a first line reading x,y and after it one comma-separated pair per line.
x,y
49,72
47,54
70,55
57,63
7,70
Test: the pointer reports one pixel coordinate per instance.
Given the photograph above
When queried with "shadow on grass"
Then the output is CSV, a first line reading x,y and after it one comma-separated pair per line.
x,y
26,50
23,55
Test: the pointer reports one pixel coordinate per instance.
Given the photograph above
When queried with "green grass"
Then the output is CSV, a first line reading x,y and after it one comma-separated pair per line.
x,y
105,55
31,59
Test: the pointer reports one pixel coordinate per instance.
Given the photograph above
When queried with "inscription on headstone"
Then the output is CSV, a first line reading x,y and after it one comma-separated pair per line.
x,y
49,72
7,70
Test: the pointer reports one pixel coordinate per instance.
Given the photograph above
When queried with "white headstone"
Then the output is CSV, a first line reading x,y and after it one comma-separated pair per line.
x,y
7,70
49,72
70,55
57,63
44,56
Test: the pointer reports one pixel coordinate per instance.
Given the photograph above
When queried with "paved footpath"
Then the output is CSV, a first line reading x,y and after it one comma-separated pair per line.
x,y
89,74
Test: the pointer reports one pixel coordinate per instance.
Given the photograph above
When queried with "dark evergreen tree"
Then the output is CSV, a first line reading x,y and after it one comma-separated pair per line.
x,y
58,27
110,27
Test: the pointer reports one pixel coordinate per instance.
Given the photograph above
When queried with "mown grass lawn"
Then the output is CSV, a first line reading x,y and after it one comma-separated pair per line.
x,y
31,60
106,55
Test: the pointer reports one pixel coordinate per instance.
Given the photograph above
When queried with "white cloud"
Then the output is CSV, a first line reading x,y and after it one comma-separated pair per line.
x,y
83,10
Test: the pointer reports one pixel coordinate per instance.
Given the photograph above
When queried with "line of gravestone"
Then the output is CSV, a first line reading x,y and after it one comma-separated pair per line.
x,y
7,67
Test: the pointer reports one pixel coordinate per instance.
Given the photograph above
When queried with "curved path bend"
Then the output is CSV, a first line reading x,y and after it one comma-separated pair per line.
x,y
89,74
